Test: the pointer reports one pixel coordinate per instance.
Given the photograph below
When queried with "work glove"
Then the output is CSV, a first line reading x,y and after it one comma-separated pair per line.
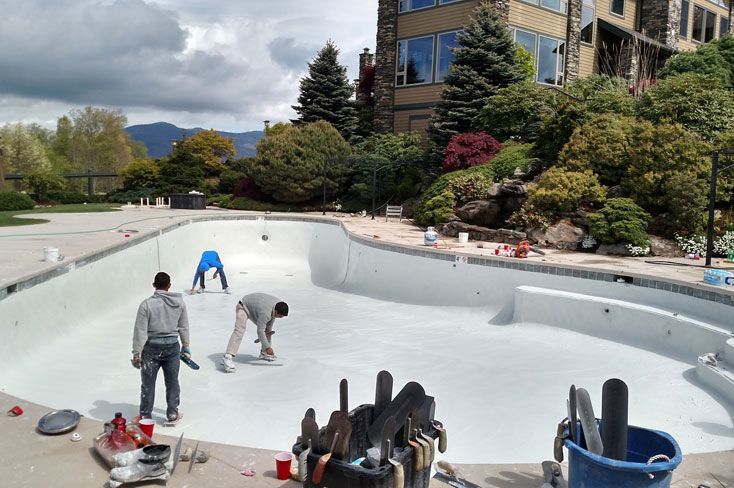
x,y
186,352
136,361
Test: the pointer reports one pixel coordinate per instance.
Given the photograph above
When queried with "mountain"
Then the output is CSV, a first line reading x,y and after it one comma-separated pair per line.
x,y
157,138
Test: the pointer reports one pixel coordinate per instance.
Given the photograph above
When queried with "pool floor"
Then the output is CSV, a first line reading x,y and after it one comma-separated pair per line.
x,y
500,390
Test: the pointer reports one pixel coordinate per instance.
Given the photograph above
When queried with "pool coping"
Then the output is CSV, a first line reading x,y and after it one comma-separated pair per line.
x,y
696,290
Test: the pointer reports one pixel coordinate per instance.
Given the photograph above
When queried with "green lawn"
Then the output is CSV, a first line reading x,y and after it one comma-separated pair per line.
x,y
13,217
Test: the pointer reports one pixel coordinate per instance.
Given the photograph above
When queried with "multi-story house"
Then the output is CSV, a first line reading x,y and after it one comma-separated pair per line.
x,y
568,39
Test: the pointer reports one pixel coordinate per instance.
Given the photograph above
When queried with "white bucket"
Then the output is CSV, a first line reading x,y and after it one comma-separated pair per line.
x,y
50,253
463,237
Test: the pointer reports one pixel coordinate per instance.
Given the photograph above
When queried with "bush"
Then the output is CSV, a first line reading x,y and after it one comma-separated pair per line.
x,y
132,196
706,60
560,191
143,173
43,181
604,95
700,103
556,129
515,112
471,149
620,221
435,209
512,156
229,180
290,164
182,172
244,203
12,200
67,197
601,145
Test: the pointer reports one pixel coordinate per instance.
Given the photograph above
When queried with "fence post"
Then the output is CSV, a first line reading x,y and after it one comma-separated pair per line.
x,y
90,183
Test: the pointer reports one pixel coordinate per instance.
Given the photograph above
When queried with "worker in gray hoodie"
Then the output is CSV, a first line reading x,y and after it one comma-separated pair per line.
x,y
161,320
262,309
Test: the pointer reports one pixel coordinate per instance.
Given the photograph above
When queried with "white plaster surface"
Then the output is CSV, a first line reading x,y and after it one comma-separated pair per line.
x,y
500,387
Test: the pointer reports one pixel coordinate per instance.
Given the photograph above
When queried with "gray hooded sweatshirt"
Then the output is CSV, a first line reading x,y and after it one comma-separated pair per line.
x,y
162,315
260,308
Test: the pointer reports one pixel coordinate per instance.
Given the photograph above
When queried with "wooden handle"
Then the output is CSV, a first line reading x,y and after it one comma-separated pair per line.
x,y
417,455
443,442
398,474
318,473
448,467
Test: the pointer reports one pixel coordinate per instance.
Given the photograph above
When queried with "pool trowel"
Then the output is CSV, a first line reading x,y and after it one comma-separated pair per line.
x,y
450,475
588,422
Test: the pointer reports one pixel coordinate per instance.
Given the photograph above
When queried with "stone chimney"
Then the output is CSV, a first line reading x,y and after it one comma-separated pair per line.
x,y
385,56
660,20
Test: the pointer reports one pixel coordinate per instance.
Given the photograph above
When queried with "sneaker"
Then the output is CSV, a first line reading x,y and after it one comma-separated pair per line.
x,y
228,364
172,421
227,291
200,290
267,357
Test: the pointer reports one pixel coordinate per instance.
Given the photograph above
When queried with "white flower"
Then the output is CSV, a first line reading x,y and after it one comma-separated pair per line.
x,y
588,242
638,250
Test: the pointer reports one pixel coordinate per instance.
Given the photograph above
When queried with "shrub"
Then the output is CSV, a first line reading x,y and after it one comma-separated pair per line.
x,y
705,60
556,129
700,103
12,200
229,180
515,112
620,221
132,196
601,145
43,181
604,95
512,156
290,164
67,197
724,243
182,171
560,191
693,244
142,173
471,149
435,209
244,203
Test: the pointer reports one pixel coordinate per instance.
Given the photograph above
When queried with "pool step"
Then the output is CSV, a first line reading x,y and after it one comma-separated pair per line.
x,y
717,370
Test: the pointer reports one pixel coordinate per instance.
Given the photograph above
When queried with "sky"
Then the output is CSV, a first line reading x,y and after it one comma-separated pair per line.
x,y
223,64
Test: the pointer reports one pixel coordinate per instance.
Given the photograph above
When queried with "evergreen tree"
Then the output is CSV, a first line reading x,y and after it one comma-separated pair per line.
x,y
326,93
484,61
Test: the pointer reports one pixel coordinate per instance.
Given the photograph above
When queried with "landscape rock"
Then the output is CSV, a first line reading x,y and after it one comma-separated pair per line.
x,y
563,235
484,213
513,188
479,233
613,250
494,190
659,246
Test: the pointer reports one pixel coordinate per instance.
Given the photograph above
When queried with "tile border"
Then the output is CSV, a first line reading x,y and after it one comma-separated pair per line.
x,y
700,291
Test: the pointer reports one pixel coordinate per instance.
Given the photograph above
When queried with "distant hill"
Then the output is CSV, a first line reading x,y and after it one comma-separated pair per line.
x,y
157,138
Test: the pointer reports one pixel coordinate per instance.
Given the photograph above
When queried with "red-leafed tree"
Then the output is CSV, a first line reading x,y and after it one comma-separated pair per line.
x,y
470,149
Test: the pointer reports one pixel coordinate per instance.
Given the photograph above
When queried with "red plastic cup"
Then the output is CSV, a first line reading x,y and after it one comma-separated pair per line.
x,y
496,252
15,411
146,425
283,465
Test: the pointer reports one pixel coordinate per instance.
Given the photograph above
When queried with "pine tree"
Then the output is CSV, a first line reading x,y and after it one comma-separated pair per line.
x,y
484,61
326,93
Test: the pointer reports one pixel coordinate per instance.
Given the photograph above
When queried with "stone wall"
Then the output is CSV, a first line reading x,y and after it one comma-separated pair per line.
x,y
385,58
660,20
573,40
365,59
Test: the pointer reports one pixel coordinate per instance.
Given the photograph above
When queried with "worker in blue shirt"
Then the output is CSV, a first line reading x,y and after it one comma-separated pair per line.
x,y
209,260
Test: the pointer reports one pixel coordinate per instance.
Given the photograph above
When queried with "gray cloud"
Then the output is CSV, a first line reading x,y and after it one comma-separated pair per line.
x,y
233,62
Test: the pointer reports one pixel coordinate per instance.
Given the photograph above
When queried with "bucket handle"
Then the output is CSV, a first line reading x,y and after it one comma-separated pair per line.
x,y
657,457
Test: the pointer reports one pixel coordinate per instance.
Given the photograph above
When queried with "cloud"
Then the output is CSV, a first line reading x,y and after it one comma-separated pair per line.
x,y
210,63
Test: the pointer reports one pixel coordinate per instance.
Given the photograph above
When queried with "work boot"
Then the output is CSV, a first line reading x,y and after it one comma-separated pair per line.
x,y
228,364
227,291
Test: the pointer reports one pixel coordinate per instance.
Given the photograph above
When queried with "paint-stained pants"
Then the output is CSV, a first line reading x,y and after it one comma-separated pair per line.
x,y
155,357
240,322
222,279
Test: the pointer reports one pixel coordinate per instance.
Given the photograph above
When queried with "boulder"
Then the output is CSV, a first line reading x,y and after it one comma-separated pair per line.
x,y
494,191
513,188
409,206
563,235
659,246
613,250
479,233
484,213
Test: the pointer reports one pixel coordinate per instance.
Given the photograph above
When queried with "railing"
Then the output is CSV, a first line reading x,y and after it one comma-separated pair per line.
x,y
88,175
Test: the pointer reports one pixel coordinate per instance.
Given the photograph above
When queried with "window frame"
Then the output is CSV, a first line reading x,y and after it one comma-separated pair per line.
x,y
560,58
409,5
593,21
612,12
404,73
723,31
704,24
538,3
437,57
684,33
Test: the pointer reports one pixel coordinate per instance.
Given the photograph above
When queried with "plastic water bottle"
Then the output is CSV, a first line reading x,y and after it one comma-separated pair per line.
x,y
730,255
119,422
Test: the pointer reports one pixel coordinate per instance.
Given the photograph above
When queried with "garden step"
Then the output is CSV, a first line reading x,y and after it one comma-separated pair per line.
x,y
717,373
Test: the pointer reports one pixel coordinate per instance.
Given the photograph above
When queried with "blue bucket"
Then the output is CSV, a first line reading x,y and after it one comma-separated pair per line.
x,y
589,470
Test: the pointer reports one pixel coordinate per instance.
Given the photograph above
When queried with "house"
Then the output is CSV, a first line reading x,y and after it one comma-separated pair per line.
x,y
567,38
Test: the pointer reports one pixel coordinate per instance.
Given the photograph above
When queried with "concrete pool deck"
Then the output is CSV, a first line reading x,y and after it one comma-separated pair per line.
x,y
66,464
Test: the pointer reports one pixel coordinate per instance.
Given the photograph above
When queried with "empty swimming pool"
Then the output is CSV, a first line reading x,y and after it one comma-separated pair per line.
x,y
497,348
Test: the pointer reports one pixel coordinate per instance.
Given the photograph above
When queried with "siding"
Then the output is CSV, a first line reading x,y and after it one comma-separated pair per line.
x,y
415,120
418,94
438,19
687,44
537,19
587,62
630,11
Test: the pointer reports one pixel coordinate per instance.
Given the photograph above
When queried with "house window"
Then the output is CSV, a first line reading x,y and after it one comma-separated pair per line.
x,y
704,24
557,5
548,55
408,5
724,27
587,21
685,8
550,60
710,26
444,2
617,7
415,61
446,42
